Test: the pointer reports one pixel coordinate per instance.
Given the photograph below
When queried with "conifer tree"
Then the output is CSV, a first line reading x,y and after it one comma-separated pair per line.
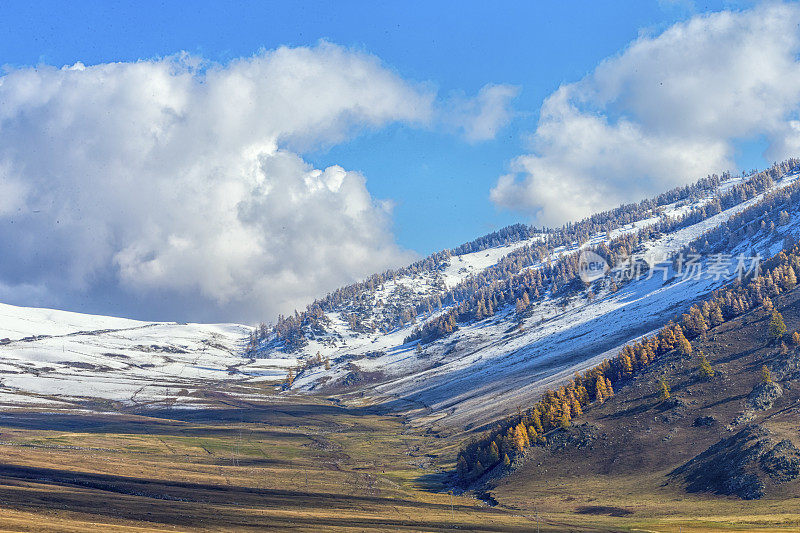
x,y
667,338
506,461
627,365
551,416
494,453
327,363
796,338
461,466
576,408
609,389
766,375
565,419
705,367
715,316
520,437
600,389
777,328
664,392
684,347
537,421
533,436
791,277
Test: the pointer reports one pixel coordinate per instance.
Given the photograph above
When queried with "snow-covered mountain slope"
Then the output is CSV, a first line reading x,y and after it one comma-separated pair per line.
x,y
487,367
364,341
61,359
20,322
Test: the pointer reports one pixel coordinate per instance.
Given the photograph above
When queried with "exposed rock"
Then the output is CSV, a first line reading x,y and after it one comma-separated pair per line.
x,y
704,421
155,348
763,396
673,402
578,436
743,418
356,376
738,465
745,485
782,462
674,409
351,378
787,367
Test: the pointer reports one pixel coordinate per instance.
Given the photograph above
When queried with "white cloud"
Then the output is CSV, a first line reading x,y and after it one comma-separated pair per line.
x,y
666,111
480,118
177,184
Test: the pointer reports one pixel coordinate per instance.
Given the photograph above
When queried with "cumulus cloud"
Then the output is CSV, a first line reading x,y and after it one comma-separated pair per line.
x,y
481,117
175,184
669,109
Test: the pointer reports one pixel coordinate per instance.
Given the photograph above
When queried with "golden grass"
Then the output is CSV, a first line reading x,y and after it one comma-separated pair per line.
x,y
276,467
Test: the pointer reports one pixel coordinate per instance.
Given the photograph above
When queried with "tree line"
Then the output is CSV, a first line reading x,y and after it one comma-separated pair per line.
x,y
513,435
511,281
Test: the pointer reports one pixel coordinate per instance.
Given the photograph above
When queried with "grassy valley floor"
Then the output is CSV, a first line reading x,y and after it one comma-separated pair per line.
x,y
300,464
308,466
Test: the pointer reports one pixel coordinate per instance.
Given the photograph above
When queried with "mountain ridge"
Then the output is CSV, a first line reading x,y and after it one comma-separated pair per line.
x,y
471,303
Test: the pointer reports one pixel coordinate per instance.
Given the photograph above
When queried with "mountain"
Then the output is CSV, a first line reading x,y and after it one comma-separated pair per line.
x,y
54,359
725,432
391,403
466,336
455,341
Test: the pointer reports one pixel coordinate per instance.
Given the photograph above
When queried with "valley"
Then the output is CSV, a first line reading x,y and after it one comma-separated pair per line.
x,y
354,414
278,465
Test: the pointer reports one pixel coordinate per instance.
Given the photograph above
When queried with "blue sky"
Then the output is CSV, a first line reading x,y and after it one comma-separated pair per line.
x,y
439,183
218,161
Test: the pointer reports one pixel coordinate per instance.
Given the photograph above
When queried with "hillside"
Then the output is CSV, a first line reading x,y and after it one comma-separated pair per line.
x,y
638,460
197,425
63,360
454,342
465,336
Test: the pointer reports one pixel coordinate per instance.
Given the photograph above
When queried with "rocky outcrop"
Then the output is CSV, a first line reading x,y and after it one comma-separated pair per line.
x,y
704,421
673,409
782,462
740,464
578,436
763,396
787,366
